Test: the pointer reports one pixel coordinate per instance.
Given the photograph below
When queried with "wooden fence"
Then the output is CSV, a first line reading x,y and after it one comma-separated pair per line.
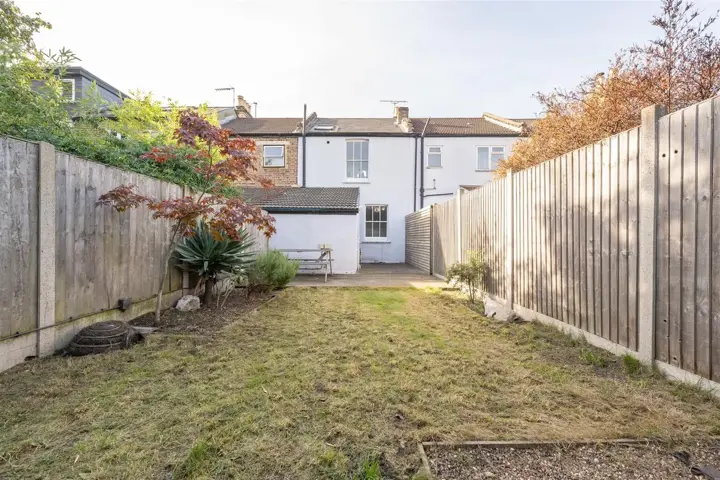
x,y
418,238
67,262
618,241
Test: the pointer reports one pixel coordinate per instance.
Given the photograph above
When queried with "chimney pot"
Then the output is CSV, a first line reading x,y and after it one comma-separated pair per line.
x,y
242,109
401,113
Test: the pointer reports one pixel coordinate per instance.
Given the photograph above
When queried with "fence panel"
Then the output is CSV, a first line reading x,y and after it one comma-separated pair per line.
x,y
418,230
19,236
444,251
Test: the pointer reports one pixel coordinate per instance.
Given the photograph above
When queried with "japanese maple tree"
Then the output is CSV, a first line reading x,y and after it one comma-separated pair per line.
x,y
222,161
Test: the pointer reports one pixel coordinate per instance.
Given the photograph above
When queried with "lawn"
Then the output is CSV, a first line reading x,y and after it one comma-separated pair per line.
x,y
327,384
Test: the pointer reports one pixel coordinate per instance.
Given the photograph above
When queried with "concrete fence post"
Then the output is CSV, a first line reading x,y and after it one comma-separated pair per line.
x,y
647,227
46,253
509,240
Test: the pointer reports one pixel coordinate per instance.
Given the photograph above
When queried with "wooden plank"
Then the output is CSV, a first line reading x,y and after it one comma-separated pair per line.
x,y
535,236
582,240
715,243
575,237
675,222
543,237
562,250
622,238
614,260
605,240
662,247
703,332
597,240
558,239
689,223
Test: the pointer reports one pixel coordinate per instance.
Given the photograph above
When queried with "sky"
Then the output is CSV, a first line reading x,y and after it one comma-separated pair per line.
x,y
446,59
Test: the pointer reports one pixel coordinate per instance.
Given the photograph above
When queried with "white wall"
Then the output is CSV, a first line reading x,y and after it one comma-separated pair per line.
x,y
459,164
389,182
310,230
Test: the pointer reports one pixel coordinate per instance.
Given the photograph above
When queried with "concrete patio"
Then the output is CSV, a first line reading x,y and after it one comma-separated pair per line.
x,y
374,275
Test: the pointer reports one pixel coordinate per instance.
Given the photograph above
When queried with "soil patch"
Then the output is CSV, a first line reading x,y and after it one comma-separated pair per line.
x,y
206,320
599,461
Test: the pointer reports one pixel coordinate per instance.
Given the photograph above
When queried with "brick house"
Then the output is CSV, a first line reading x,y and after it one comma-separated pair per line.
x,y
276,140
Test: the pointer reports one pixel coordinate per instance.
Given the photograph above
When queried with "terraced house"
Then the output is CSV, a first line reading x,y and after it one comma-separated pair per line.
x,y
397,164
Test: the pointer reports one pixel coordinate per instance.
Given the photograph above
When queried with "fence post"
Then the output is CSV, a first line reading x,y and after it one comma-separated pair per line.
x,y
432,237
46,254
647,220
509,240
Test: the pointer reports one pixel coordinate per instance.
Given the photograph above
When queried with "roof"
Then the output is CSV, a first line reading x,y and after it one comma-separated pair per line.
x,y
264,126
463,127
488,125
75,71
344,126
304,199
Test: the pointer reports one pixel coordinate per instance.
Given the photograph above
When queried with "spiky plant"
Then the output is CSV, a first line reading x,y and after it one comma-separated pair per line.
x,y
207,256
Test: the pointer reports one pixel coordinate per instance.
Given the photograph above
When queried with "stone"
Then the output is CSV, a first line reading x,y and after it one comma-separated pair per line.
x,y
188,303
499,311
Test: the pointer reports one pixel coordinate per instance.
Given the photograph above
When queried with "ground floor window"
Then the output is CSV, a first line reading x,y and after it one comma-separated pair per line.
x,y
376,222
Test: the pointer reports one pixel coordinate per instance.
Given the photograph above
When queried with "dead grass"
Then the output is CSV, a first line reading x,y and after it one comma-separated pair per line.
x,y
326,384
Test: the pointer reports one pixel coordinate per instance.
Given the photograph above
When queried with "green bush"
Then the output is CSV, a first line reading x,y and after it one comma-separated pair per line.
x,y
210,257
469,275
271,270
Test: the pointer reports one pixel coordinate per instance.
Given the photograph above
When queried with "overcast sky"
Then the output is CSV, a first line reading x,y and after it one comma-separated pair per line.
x,y
444,58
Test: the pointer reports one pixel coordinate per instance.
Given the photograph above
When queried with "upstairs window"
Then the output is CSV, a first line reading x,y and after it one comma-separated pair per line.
x,y
356,158
489,157
68,89
376,222
434,157
273,155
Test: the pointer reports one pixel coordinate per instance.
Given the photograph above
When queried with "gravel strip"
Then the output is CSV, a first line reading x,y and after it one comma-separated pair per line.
x,y
643,461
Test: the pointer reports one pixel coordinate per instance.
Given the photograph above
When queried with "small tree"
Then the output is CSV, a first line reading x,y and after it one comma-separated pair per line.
x,y
470,274
222,161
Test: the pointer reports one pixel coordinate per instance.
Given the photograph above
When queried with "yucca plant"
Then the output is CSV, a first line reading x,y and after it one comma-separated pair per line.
x,y
208,256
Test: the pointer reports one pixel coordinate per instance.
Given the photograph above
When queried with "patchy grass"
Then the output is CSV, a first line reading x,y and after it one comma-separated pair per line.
x,y
326,384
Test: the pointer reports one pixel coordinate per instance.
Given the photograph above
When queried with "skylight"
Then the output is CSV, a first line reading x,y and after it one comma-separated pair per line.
x,y
324,128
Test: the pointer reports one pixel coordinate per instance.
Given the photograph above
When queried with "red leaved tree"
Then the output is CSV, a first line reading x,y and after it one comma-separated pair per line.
x,y
222,161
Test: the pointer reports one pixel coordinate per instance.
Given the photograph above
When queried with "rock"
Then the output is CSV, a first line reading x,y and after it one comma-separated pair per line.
x,y
500,312
188,303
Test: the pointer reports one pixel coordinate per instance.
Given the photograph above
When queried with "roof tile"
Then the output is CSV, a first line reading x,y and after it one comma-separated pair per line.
x,y
303,199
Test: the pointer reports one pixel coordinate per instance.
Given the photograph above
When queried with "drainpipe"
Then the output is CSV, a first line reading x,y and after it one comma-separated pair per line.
x,y
304,144
422,169
415,162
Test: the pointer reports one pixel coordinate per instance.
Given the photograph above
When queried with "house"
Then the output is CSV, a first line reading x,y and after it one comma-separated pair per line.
x,y
77,82
308,217
397,164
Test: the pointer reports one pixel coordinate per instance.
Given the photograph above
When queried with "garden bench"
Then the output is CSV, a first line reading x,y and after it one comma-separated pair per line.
x,y
322,262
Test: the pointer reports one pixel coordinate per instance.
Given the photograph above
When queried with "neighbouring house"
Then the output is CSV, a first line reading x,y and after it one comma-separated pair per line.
x,y
308,217
77,82
398,164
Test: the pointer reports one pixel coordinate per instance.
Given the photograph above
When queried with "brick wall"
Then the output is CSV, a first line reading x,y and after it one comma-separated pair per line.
x,y
281,176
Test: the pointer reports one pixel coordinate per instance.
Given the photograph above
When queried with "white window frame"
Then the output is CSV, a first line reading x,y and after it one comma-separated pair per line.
x,y
490,167
355,161
266,157
71,81
429,152
373,221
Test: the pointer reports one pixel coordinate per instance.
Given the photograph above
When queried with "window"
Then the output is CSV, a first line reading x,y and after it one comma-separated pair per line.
x,y
376,222
434,157
488,157
356,158
68,89
273,155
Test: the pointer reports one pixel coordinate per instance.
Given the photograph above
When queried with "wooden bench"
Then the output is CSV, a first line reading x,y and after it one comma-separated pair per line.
x,y
322,262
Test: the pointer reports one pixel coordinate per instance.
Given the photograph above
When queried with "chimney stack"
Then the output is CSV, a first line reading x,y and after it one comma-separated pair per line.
x,y
242,109
401,114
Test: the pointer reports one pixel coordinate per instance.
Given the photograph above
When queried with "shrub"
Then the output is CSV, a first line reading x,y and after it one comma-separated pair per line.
x,y
210,257
470,274
271,270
